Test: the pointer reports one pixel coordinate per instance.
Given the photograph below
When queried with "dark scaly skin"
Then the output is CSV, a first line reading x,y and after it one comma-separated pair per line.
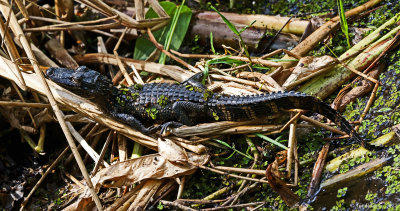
x,y
188,103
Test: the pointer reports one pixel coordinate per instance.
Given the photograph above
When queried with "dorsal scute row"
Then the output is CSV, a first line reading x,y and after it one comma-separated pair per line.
x,y
171,92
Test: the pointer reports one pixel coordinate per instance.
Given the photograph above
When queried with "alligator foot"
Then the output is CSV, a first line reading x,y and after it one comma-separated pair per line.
x,y
165,126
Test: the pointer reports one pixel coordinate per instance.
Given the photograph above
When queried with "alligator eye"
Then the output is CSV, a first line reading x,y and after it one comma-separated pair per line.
x,y
76,80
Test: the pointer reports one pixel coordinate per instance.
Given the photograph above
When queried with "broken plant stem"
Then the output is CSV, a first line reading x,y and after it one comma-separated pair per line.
x,y
239,58
394,42
181,187
74,180
59,21
318,170
230,175
160,48
93,154
368,106
311,41
290,150
23,104
322,125
103,152
39,148
120,65
233,68
279,51
359,73
48,170
238,206
176,204
293,119
257,85
296,163
241,170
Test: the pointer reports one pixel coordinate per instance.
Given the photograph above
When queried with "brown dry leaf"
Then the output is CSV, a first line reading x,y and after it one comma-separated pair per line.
x,y
147,167
143,193
135,170
274,180
363,87
307,66
139,198
265,79
171,151
65,9
150,166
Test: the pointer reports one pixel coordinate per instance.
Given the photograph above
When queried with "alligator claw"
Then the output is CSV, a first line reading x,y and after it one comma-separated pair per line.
x,y
165,126
150,130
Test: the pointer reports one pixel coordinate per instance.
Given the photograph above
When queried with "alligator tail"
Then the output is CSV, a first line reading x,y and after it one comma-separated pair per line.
x,y
317,106
256,106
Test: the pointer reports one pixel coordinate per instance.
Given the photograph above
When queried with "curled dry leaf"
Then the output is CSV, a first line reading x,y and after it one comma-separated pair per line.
x,y
152,166
143,194
265,79
65,9
307,66
136,170
274,180
233,88
171,151
351,94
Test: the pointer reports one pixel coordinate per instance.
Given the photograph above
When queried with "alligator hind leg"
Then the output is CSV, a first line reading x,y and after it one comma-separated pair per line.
x,y
183,112
135,123
195,81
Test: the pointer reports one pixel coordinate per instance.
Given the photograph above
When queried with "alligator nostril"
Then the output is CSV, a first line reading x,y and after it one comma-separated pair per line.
x,y
49,71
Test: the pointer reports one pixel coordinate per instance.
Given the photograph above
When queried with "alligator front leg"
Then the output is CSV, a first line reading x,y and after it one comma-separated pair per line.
x,y
184,112
135,123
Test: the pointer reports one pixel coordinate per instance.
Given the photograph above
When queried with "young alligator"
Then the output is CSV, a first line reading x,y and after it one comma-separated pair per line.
x,y
187,103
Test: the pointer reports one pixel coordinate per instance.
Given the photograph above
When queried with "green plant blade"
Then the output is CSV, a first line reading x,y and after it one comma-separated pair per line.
x,y
235,150
144,48
170,33
343,21
212,43
227,22
272,141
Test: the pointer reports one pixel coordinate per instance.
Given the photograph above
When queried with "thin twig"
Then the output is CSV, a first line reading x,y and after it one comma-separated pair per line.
x,y
322,125
368,106
177,205
238,206
23,104
120,65
48,170
240,58
103,153
59,21
230,175
19,34
160,48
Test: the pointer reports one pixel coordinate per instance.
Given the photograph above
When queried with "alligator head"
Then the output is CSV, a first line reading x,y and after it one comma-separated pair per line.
x,y
83,81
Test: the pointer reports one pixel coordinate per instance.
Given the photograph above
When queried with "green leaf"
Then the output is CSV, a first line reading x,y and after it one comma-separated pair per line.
x,y
227,22
242,30
234,30
272,141
212,43
144,48
232,148
212,61
171,31
343,21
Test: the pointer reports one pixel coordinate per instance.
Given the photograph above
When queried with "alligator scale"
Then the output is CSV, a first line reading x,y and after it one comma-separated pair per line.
x,y
188,103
